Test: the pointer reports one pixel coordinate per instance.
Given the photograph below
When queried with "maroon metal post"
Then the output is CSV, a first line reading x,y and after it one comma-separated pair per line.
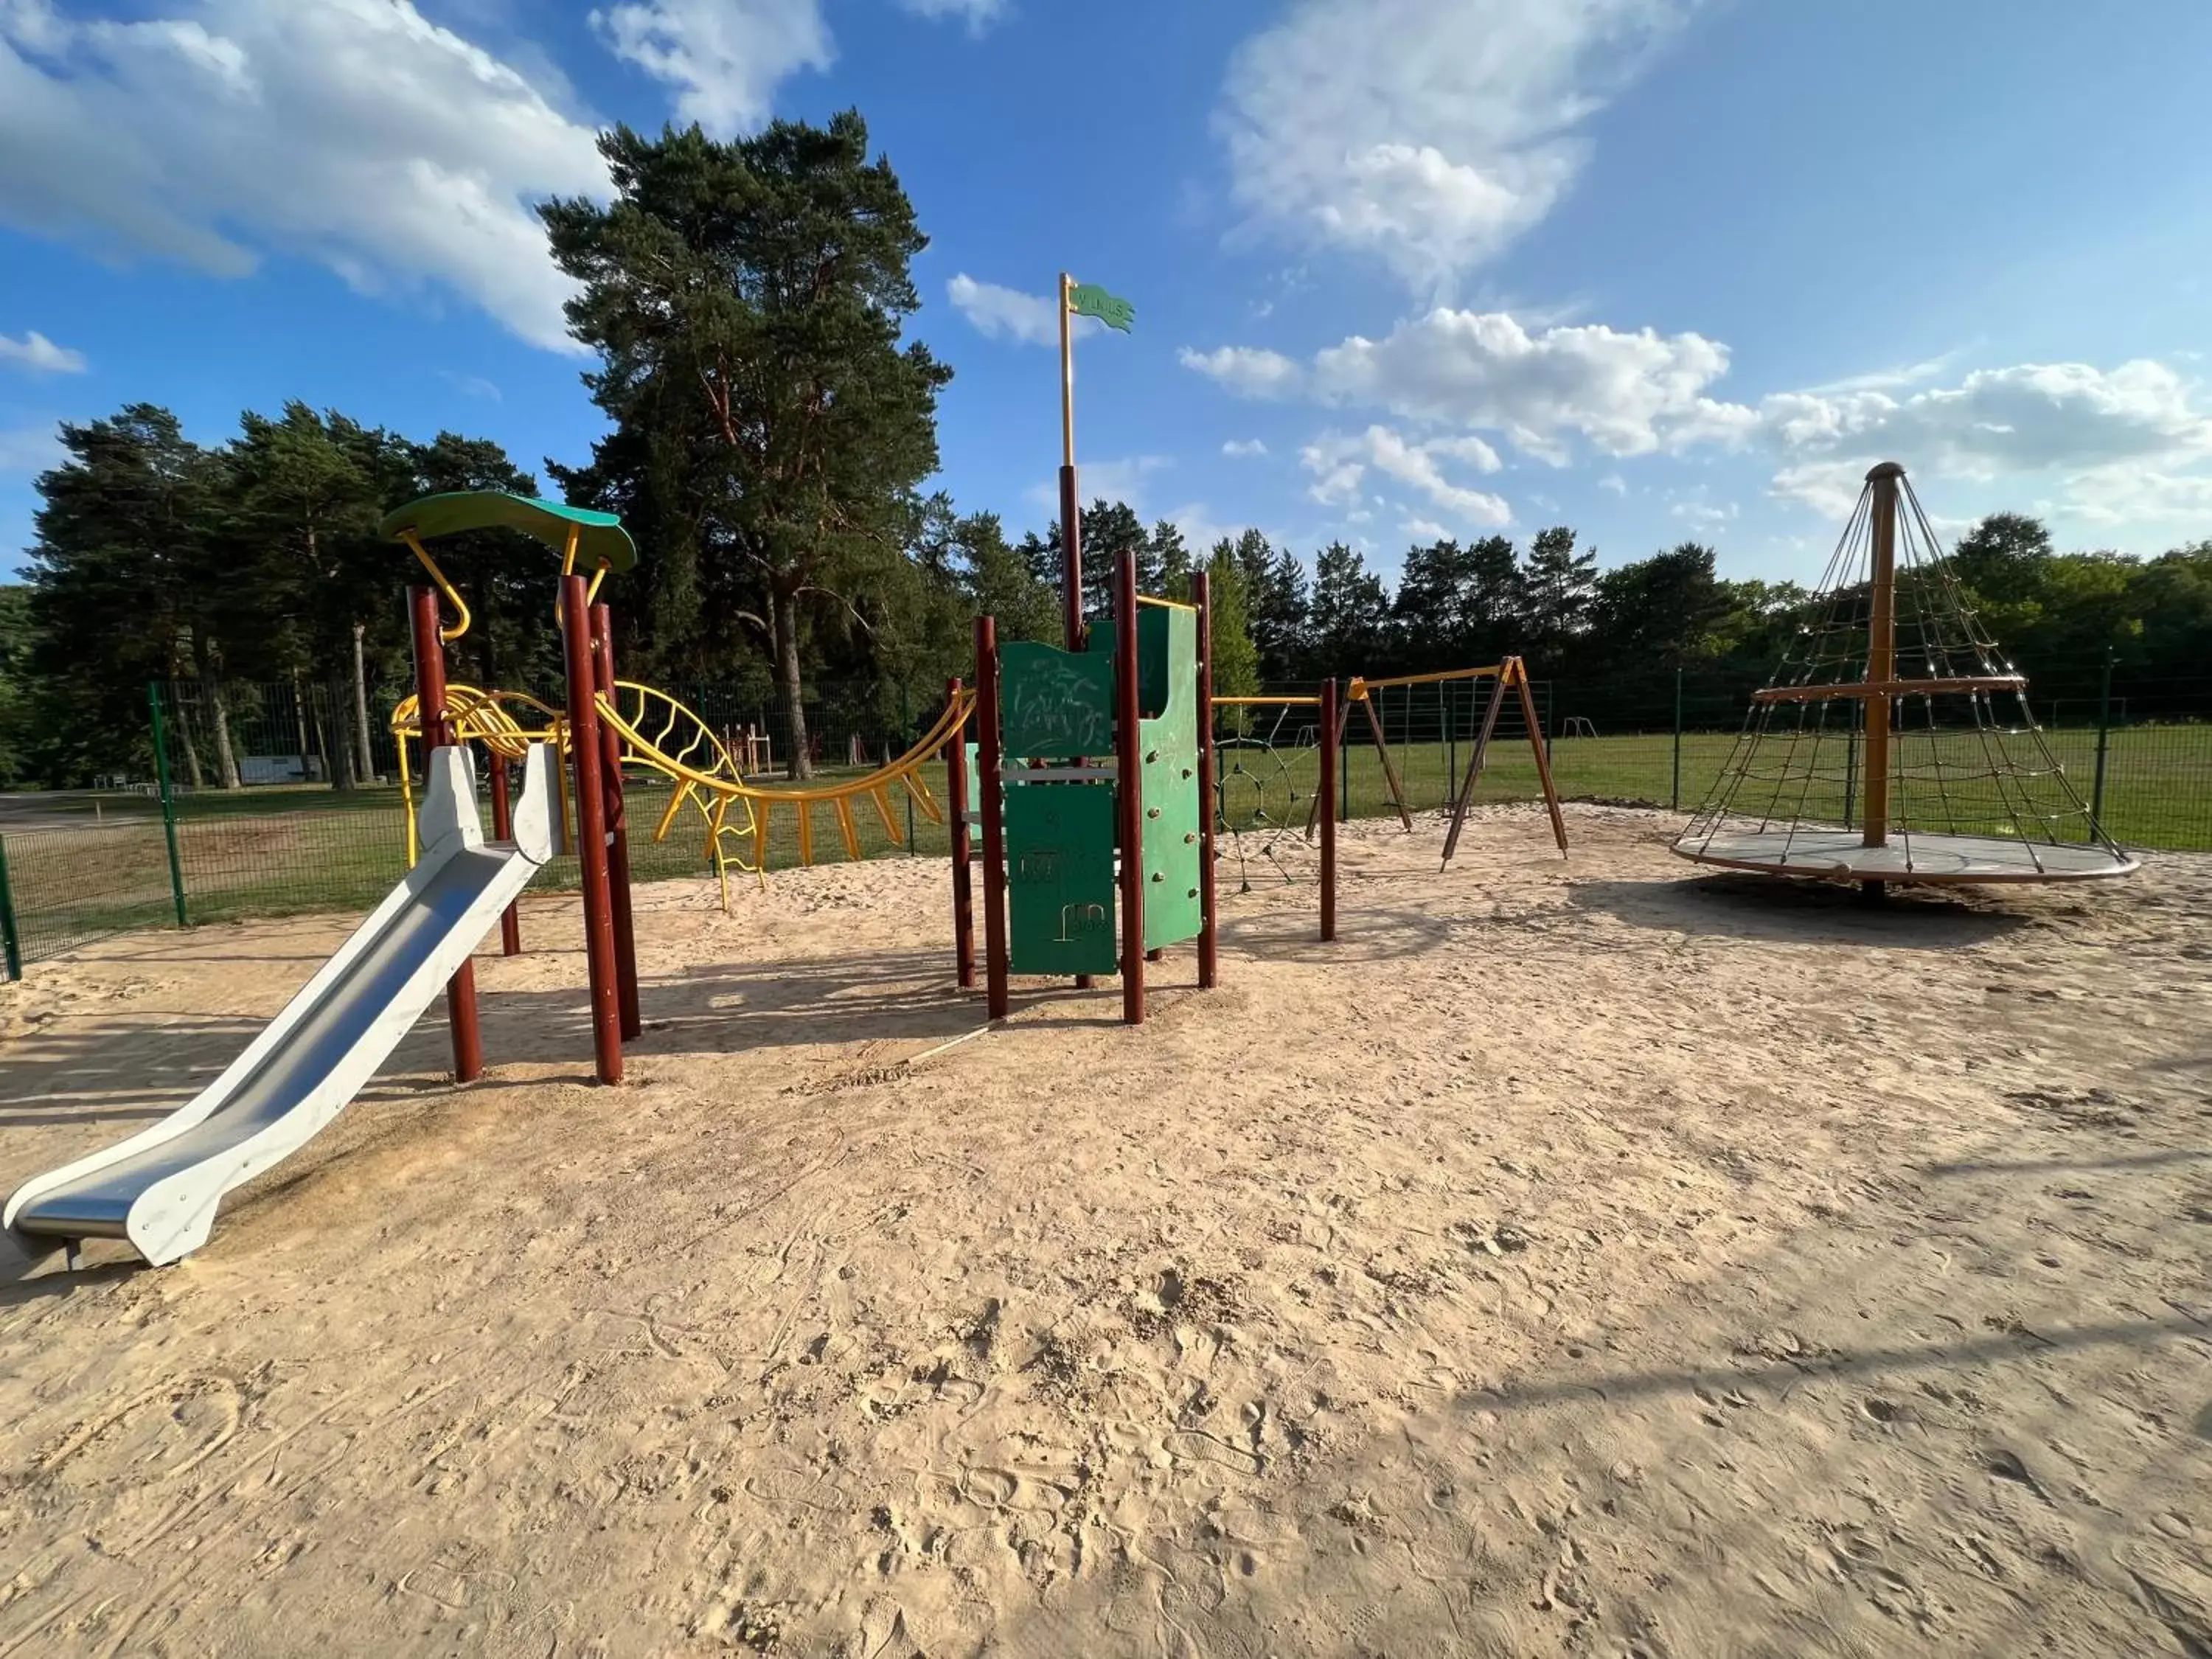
x,y
1129,790
1074,630
992,807
587,755
502,829
1071,561
1209,964
1327,804
436,722
955,812
610,780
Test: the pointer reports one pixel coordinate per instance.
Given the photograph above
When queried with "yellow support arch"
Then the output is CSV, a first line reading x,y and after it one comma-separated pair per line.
x,y
658,732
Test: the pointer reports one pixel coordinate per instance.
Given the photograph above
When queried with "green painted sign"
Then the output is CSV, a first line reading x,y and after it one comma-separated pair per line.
x,y
1055,704
1060,878
1089,300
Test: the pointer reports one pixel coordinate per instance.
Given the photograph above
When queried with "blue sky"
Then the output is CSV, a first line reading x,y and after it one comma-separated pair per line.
x,y
1403,267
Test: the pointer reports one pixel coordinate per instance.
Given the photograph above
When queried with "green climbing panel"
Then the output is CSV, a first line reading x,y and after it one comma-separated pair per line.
x,y
1167,685
1055,703
1060,878
1058,707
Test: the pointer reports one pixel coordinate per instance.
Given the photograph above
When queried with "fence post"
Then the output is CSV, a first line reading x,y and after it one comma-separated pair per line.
x,y
1451,736
905,737
1677,801
168,802
11,940
2104,740
1343,774
1855,713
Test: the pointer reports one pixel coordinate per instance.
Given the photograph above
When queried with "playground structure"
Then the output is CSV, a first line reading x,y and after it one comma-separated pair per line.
x,y
159,1190
1969,792
1090,768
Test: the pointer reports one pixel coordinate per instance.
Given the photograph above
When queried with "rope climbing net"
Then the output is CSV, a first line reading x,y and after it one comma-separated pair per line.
x,y
1895,717
1263,788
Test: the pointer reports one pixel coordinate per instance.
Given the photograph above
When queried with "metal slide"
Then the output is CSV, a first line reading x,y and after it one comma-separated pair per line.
x,y
160,1188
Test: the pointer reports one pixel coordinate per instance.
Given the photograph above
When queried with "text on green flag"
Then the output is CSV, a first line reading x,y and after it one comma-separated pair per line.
x,y
1089,300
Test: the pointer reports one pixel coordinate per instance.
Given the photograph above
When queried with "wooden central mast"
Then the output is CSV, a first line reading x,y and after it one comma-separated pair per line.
x,y
1882,652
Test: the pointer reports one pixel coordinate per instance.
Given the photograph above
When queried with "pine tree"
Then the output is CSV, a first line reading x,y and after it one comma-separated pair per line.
x,y
1169,557
1235,658
1558,585
1277,598
1000,582
746,300
126,583
1351,613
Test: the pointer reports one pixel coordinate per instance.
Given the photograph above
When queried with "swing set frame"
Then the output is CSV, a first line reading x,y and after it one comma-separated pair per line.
x,y
1509,675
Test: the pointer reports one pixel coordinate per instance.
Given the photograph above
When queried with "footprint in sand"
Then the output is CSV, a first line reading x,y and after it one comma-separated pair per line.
x,y
795,1485
157,1435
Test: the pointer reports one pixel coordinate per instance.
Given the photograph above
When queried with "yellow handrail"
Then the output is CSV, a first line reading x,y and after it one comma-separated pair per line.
x,y
452,593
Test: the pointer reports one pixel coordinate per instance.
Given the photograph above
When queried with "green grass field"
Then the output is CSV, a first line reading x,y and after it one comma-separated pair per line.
x,y
2157,783
288,848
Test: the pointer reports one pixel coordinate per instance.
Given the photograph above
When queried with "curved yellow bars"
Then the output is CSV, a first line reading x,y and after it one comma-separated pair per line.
x,y
759,802
657,731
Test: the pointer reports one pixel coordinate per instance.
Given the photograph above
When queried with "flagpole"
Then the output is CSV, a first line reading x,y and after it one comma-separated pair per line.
x,y
1071,526
1071,515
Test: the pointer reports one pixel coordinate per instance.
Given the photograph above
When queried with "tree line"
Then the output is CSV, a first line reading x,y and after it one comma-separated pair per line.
x,y
771,432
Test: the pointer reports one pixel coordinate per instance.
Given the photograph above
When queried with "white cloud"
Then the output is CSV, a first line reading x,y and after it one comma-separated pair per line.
x,y
1627,393
1248,371
2125,447
1621,391
1429,133
40,355
997,311
1201,529
471,386
2129,492
1424,530
1889,379
977,14
725,58
352,132
2029,418
1701,515
1830,488
1613,484
1340,463
1243,448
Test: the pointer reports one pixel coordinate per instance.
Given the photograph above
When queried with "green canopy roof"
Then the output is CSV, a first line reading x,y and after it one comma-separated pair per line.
x,y
602,540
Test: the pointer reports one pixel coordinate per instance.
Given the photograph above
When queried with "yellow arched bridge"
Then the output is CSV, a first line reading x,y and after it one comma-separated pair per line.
x,y
653,730
659,733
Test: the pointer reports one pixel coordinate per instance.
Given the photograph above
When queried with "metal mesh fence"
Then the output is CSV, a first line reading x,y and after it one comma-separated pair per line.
x,y
78,867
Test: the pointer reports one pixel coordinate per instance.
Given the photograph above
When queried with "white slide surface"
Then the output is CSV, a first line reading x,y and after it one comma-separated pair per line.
x,y
160,1188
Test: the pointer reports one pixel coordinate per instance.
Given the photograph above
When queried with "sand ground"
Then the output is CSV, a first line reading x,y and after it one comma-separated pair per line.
x,y
1581,1257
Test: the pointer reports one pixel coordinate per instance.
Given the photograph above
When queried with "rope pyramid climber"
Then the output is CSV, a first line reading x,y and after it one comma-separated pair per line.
x,y
1895,742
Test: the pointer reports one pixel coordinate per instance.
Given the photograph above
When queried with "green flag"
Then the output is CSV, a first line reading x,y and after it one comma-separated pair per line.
x,y
1089,300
